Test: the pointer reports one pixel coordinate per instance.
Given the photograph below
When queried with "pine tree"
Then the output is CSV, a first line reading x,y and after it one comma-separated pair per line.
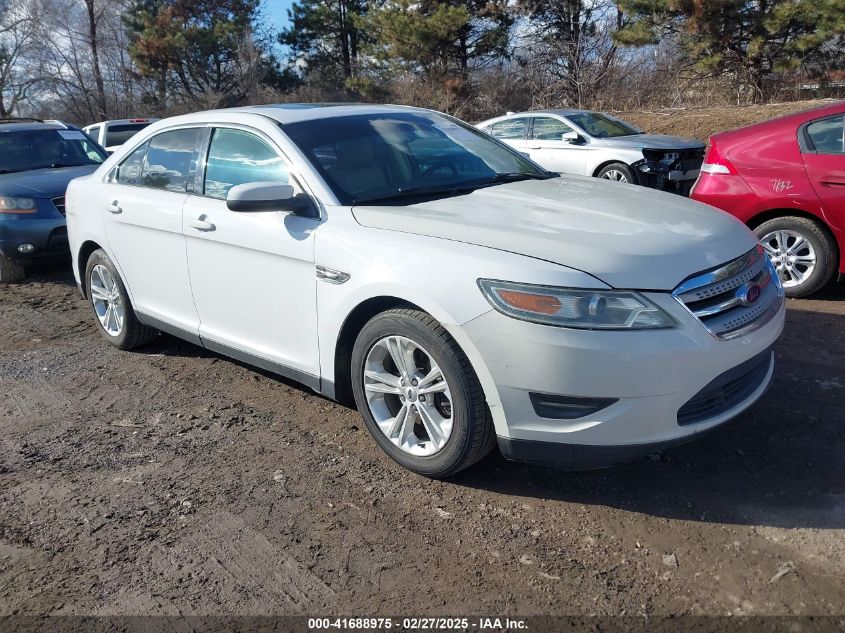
x,y
748,39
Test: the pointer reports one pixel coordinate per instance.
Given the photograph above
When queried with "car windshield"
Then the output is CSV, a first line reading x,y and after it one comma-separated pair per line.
x,y
382,156
119,133
24,150
602,126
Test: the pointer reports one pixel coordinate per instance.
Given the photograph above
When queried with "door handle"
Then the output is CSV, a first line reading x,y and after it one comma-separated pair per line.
x,y
114,208
533,147
832,183
200,224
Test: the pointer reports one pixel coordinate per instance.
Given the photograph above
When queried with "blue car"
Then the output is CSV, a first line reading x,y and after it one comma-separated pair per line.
x,y
37,161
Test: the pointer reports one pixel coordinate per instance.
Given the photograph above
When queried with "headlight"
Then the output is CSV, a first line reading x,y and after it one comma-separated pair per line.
x,y
8,204
575,307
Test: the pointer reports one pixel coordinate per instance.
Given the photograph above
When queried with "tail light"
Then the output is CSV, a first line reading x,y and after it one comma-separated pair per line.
x,y
716,163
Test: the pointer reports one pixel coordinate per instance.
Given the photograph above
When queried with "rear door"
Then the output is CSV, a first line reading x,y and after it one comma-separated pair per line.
x,y
252,273
549,150
514,132
143,222
822,145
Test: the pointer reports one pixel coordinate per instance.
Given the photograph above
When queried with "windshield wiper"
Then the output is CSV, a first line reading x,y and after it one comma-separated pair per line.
x,y
420,191
520,175
9,171
59,165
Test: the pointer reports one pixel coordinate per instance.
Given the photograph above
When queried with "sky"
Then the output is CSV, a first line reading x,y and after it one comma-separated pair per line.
x,y
277,12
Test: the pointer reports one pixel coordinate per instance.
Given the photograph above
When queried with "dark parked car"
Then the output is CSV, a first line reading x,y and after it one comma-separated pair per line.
x,y
37,161
785,178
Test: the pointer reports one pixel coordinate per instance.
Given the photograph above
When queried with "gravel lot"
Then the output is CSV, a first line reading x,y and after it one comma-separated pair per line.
x,y
174,481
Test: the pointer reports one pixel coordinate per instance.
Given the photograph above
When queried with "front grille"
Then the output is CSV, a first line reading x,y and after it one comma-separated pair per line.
x,y
59,203
735,298
726,391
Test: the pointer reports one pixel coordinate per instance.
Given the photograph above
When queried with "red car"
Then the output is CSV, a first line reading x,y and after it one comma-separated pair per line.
x,y
785,179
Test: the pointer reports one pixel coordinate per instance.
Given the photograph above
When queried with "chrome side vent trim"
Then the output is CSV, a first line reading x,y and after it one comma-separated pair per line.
x,y
736,298
331,275
59,203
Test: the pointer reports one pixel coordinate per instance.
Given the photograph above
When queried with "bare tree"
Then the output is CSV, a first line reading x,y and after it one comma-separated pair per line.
x,y
20,73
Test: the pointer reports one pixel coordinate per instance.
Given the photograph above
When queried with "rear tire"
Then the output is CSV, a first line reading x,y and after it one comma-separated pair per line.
x,y
617,172
469,429
780,237
121,328
11,271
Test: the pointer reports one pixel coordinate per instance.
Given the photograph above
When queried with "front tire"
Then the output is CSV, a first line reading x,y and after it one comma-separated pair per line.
x,y
617,172
803,253
110,304
418,394
11,271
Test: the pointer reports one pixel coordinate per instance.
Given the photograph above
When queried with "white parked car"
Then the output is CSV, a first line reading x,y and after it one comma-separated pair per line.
x,y
455,290
112,134
596,144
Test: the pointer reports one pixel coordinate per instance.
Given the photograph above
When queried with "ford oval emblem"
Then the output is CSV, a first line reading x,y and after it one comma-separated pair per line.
x,y
751,295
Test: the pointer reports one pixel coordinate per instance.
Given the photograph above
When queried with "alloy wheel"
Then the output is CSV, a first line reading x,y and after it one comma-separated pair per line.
x,y
615,175
792,255
408,395
107,301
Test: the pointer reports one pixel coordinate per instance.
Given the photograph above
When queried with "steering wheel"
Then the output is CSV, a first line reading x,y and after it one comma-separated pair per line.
x,y
432,169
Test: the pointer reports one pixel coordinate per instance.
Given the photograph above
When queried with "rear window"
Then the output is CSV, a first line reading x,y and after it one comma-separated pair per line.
x,y
119,133
828,135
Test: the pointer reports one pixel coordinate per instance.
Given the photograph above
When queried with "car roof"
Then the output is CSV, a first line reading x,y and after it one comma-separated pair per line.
x,y
295,112
139,119
8,126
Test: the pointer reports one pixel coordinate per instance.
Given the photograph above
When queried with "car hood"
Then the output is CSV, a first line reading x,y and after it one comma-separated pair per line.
x,y
626,235
651,141
42,183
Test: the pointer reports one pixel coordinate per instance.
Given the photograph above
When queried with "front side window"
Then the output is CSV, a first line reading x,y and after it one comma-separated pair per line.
x,y
167,164
236,157
549,129
511,129
827,135
129,172
601,125
371,157
94,133
46,148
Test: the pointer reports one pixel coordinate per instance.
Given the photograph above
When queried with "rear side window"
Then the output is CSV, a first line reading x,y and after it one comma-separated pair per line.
x,y
94,133
549,129
167,164
119,133
236,157
130,170
827,136
509,130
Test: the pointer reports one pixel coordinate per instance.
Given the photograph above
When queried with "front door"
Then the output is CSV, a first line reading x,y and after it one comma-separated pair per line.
x,y
547,147
143,222
252,273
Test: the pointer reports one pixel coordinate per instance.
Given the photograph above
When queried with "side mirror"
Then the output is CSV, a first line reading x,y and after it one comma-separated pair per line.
x,y
571,137
270,196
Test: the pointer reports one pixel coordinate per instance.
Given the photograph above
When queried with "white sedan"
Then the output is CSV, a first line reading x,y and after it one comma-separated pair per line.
x,y
597,144
457,292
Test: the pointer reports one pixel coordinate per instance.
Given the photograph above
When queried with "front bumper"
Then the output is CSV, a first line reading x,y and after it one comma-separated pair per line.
x,y
651,375
46,230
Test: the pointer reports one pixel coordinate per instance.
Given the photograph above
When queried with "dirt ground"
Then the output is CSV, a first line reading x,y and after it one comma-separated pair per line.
x,y
174,481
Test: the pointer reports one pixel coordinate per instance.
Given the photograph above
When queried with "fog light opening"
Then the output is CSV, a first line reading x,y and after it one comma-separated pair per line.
x,y
26,248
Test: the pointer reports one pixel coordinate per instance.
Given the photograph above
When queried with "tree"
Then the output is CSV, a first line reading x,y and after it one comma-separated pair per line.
x,y
324,39
205,53
19,69
438,38
568,46
750,40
